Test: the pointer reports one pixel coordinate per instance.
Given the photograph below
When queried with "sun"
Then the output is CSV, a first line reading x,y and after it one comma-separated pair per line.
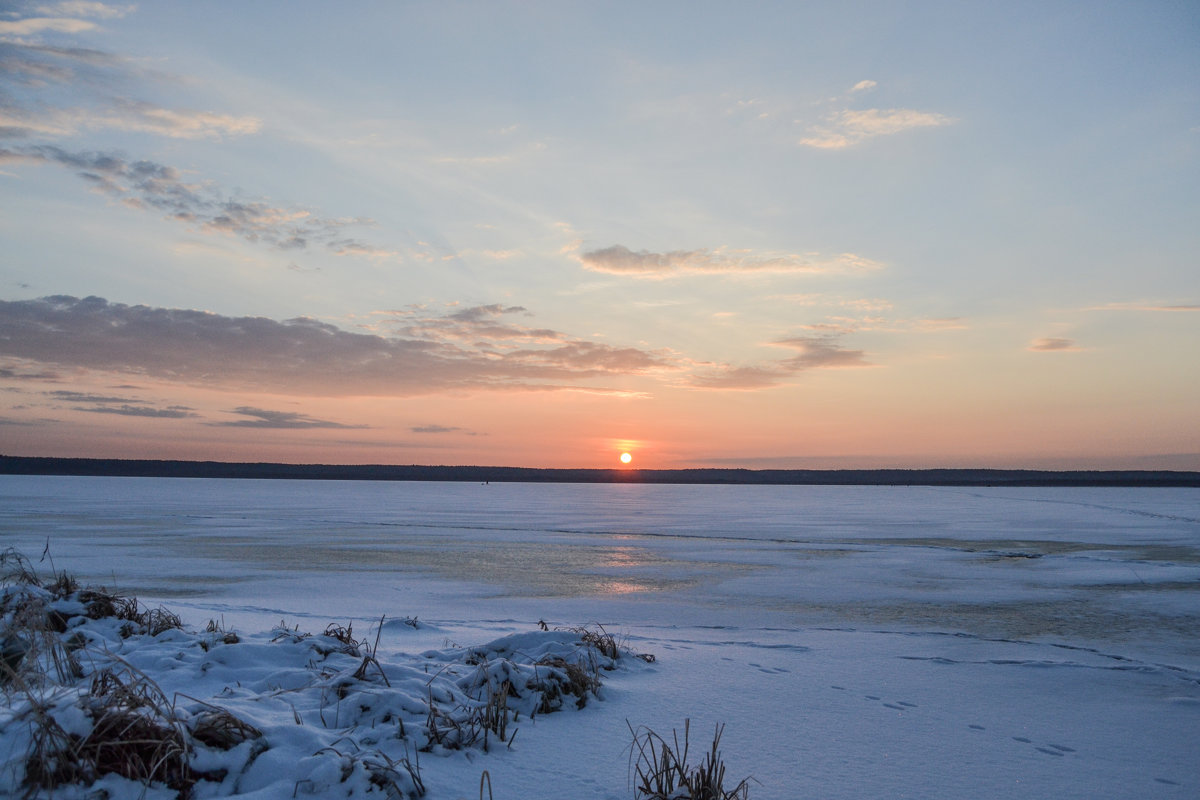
x,y
626,458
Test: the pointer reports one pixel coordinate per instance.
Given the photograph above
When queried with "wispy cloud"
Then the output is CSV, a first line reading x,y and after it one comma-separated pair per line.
x,y
151,185
124,406
301,355
278,420
33,25
28,372
125,115
477,324
1142,306
620,260
1053,344
741,378
933,324
820,351
23,423
435,429
51,91
173,412
85,8
813,352
38,74
84,397
846,128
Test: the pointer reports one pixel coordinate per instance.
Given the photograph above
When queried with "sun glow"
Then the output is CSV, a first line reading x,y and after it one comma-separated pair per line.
x,y
626,458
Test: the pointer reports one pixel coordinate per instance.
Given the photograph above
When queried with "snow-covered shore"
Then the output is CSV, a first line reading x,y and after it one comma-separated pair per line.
x,y
102,695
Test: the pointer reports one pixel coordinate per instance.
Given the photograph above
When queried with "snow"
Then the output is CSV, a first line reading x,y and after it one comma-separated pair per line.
x,y
855,641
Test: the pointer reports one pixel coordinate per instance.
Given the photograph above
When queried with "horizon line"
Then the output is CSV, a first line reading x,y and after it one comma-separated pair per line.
x,y
960,476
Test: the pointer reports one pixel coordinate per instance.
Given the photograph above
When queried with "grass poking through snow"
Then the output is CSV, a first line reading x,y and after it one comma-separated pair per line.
x,y
660,770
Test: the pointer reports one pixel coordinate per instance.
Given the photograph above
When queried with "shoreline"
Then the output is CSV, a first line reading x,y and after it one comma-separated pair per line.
x,y
147,468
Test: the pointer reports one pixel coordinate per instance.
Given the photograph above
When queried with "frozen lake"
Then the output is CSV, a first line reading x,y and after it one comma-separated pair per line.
x,y
857,641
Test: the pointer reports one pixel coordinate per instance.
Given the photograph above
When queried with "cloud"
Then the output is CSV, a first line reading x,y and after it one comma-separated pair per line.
x,y
814,352
434,429
820,351
33,25
730,377
1053,345
85,8
933,324
620,260
173,412
847,128
25,372
43,96
149,184
278,420
863,86
20,422
1177,307
125,406
134,115
82,397
41,87
298,355
483,325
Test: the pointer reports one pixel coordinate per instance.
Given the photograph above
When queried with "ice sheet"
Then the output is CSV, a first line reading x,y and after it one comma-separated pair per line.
x,y
856,641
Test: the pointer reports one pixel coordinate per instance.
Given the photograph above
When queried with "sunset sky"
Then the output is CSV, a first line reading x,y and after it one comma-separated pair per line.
x,y
794,234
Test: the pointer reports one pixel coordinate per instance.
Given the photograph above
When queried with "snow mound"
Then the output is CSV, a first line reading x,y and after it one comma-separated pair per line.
x,y
103,696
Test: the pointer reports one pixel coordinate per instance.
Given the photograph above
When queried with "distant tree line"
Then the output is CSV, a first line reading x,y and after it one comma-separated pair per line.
x,y
22,465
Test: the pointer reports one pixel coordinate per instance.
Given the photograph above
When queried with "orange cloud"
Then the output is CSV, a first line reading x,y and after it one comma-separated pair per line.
x,y
620,260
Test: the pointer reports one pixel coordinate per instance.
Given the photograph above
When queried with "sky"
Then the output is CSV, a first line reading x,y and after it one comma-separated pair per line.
x,y
761,235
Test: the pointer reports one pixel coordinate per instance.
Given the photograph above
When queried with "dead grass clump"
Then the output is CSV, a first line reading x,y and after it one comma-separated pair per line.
x,y
98,604
605,643
51,761
133,734
63,585
13,650
33,653
225,636
493,714
293,635
560,679
220,729
160,620
396,779
660,769
18,568
345,636
369,656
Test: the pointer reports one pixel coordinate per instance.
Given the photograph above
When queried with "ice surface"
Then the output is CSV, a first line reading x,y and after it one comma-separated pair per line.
x,y
856,641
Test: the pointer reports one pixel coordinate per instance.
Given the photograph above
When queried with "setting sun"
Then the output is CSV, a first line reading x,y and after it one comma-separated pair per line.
x,y
626,458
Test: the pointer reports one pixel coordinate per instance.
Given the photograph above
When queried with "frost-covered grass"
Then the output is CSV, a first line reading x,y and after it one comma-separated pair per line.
x,y
102,696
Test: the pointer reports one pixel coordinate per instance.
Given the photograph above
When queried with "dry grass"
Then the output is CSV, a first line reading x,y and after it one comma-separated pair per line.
x,y
134,734
132,728
660,770
565,679
221,730
605,643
